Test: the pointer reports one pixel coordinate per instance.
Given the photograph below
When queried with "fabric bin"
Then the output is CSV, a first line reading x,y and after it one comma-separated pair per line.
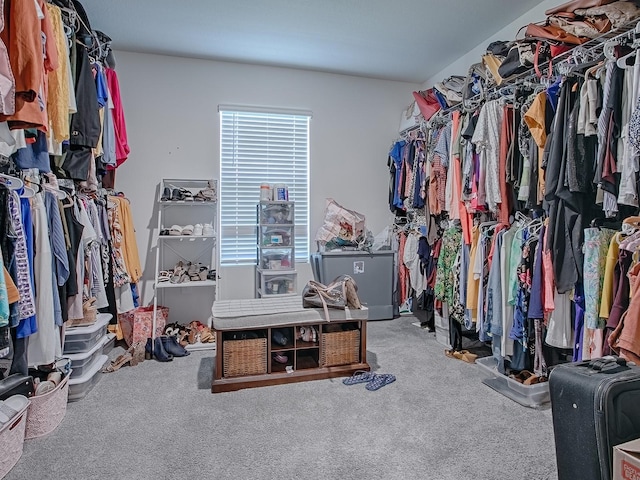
x,y
12,441
244,357
137,324
46,411
83,339
340,348
81,362
81,386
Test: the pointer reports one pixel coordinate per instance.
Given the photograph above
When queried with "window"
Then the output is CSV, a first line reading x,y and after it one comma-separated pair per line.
x,y
259,147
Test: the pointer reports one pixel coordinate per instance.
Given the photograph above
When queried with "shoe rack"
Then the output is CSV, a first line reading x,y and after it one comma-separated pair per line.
x,y
186,266
276,264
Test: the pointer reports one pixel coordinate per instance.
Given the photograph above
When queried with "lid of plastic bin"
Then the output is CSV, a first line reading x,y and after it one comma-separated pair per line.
x,y
74,357
88,375
101,322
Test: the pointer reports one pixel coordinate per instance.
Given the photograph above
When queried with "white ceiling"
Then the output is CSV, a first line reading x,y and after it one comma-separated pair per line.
x,y
406,40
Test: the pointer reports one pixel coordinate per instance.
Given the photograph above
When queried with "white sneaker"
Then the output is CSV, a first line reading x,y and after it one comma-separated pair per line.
x,y
197,229
207,230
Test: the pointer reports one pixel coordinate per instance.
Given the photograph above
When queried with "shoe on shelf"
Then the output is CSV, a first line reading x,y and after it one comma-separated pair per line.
x,y
166,194
280,358
175,230
207,230
187,230
197,229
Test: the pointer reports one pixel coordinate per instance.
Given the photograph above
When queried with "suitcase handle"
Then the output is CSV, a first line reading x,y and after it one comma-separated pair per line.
x,y
606,363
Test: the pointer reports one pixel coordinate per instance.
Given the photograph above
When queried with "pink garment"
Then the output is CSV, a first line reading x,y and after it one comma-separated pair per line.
x,y
120,127
455,171
549,285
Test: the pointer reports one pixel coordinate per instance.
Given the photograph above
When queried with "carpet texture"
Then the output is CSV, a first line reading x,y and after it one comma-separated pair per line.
x,y
436,421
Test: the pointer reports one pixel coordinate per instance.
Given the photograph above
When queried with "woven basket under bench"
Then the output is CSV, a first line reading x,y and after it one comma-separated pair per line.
x,y
340,348
244,357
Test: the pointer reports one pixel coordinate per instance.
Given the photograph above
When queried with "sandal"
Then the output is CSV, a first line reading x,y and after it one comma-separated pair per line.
x,y
360,376
164,276
175,230
120,361
466,356
187,230
179,274
380,381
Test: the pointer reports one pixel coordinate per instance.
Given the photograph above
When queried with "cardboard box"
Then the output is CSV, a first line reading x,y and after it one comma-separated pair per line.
x,y
626,461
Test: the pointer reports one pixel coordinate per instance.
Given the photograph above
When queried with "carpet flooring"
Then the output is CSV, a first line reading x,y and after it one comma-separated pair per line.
x,y
438,421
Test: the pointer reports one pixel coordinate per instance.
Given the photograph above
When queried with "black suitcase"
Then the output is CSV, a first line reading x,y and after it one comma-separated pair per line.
x,y
595,405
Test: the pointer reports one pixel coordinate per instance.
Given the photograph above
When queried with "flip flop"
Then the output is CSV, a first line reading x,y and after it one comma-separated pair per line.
x,y
380,381
10,407
360,376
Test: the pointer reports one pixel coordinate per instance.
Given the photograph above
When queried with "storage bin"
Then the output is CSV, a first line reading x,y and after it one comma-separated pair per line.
x,y
137,324
276,259
526,395
275,236
79,387
83,339
81,362
244,357
442,336
340,348
12,441
109,343
47,411
278,284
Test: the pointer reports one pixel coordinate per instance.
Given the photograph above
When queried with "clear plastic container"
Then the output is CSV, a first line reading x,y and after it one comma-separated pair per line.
x,y
79,387
83,339
81,362
526,395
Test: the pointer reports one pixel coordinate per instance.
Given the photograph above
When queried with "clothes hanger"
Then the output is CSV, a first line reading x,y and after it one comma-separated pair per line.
x,y
13,183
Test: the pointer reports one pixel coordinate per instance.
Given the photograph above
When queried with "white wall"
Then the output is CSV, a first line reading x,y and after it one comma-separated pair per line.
x,y
173,127
462,64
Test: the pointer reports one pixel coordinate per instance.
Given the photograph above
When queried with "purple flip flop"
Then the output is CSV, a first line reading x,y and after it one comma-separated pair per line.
x,y
360,376
380,381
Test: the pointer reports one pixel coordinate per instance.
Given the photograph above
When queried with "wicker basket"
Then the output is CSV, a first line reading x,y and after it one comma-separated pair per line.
x,y
244,357
340,348
47,411
12,442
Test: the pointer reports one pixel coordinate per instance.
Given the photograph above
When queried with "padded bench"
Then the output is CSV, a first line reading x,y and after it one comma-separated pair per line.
x,y
245,348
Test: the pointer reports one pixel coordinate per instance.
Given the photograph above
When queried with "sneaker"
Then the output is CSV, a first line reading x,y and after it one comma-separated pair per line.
x,y
207,230
197,229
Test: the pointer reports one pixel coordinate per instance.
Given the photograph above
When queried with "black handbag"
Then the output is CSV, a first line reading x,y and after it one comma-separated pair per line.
x,y
16,384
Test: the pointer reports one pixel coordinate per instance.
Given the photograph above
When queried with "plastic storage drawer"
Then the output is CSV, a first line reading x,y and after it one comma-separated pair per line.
x,y
527,395
83,339
81,362
79,387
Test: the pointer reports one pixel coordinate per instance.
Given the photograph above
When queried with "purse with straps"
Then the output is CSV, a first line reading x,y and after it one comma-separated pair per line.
x,y
16,384
341,293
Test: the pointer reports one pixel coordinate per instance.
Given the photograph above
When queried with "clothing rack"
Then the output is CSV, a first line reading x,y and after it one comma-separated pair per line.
x,y
625,35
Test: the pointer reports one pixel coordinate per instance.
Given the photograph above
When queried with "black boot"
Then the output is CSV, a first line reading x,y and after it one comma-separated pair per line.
x,y
172,347
159,352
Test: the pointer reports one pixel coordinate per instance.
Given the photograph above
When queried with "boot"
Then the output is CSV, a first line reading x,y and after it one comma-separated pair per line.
x,y
172,347
159,353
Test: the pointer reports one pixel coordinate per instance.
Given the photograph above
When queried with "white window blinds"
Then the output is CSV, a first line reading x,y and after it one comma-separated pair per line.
x,y
260,147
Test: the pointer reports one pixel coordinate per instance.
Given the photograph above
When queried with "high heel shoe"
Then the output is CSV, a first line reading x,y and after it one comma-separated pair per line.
x,y
172,347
